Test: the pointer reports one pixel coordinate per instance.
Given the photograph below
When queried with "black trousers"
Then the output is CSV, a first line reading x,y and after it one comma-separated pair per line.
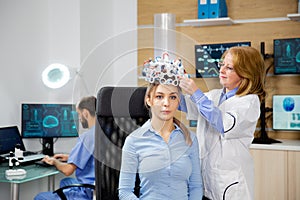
x,y
205,198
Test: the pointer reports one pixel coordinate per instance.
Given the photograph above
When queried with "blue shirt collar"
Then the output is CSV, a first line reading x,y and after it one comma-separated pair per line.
x,y
231,93
147,127
227,95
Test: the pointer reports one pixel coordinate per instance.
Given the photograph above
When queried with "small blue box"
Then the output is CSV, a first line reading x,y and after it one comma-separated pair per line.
x,y
212,9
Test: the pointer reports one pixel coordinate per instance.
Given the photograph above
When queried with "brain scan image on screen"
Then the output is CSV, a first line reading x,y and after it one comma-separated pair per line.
x,y
286,112
208,55
49,120
288,104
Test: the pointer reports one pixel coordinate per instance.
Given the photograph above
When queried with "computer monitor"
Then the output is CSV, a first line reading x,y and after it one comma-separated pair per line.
x,y
207,57
286,112
48,121
287,56
9,138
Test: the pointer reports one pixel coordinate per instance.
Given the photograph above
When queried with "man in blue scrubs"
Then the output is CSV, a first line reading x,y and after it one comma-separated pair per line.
x,y
81,158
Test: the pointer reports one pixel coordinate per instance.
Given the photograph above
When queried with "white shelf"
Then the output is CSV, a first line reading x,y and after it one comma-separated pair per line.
x,y
274,19
209,22
294,16
229,21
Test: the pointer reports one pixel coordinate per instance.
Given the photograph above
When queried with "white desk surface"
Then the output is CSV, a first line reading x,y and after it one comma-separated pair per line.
x,y
288,145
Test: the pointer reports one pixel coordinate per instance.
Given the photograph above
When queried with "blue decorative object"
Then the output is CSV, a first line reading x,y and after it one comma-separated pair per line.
x,y
288,104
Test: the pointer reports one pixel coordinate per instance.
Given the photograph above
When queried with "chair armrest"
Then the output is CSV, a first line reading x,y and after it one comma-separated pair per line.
x,y
61,194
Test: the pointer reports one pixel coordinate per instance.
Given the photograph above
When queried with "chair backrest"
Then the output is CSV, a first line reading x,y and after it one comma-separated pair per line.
x,y
120,110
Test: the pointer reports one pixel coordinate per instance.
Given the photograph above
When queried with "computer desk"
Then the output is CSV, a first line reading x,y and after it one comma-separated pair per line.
x,y
33,172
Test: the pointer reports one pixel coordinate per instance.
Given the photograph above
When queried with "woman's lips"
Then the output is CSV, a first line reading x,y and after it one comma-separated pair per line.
x,y
166,112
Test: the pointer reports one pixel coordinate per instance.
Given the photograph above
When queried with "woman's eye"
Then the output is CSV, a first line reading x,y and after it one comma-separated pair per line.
x,y
230,68
159,97
173,97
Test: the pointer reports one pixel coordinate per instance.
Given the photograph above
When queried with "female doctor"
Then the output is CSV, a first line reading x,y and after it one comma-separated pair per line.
x,y
227,120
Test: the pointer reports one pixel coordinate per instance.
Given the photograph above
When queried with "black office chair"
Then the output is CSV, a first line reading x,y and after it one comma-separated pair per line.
x,y
120,110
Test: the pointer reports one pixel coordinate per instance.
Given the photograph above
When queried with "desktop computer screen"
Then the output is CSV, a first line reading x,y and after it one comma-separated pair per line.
x,y
207,57
49,120
286,112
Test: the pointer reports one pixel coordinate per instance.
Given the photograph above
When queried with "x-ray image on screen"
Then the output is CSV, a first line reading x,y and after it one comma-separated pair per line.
x,y
208,55
287,56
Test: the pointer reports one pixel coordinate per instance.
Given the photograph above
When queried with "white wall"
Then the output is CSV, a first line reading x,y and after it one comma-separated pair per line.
x,y
84,35
108,43
33,35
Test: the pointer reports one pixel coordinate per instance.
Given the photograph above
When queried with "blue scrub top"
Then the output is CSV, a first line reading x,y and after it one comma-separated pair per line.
x,y
82,156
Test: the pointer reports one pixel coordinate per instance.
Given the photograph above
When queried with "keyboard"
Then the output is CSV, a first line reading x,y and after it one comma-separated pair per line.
x,y
41,163
29,153
31,158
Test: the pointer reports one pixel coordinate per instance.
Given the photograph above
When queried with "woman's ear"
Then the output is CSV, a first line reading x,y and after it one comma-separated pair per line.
x,y
148,102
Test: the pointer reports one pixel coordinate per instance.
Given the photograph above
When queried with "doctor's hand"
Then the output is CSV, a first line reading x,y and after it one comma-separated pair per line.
x,y
61,157
49,160
187,85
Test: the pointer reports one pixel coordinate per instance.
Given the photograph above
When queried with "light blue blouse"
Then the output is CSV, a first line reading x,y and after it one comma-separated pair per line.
x,y
167,170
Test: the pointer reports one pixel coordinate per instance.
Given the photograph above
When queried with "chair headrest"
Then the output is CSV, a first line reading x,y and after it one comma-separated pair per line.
x,y
121,102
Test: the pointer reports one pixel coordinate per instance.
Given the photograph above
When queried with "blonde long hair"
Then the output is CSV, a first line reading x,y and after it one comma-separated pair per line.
x,y
249,64
150,90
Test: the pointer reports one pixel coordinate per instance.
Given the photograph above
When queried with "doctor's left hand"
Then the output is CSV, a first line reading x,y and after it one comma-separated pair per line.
x,y
188,85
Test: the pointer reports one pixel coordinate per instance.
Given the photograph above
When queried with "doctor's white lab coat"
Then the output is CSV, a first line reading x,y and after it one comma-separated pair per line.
x,y
227,166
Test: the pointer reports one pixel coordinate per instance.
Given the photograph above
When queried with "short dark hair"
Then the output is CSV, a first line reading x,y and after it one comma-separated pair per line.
x,y
88,103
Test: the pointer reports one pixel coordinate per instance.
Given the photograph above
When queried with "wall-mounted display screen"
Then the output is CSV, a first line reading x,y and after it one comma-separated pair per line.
x,y
287,56
208,55
286,112
49,120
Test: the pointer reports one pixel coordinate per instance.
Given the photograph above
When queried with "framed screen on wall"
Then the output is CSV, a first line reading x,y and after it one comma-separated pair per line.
x,y
287,56
286,112
207,57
